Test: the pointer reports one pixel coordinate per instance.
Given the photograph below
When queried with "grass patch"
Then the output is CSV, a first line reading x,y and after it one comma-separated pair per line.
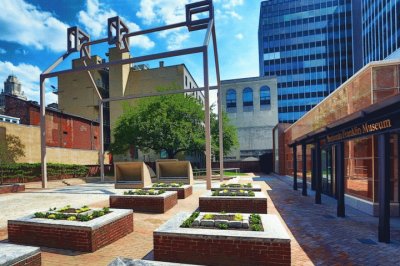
x,y
228,173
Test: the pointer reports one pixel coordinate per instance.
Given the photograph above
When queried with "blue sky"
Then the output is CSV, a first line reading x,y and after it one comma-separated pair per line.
x,y
33,35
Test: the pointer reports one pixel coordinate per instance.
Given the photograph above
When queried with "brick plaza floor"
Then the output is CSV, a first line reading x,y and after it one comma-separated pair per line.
x,y
318,237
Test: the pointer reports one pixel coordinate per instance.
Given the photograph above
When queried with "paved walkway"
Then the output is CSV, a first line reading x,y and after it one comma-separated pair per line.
x,y
318,237
326,239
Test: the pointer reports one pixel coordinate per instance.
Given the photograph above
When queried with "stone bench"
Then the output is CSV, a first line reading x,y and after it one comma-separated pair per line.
x,y
174,172
131,175
11,254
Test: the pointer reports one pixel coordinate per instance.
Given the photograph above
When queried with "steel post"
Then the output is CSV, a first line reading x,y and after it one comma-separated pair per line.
x,y
101,137
207,118
43,151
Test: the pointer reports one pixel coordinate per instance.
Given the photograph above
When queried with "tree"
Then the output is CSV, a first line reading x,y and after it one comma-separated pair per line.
x,y
11,149
172,123
230,138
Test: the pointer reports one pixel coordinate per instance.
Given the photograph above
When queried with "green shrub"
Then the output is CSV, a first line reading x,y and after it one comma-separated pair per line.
x,y
33,170
238,217
40,215
208,216
223,226
256,227
255,219
188,222
144,192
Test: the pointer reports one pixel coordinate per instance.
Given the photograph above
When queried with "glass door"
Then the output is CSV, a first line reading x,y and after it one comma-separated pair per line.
x,y
327,177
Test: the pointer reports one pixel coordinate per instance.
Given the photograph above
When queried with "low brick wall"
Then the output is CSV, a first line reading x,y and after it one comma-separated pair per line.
x,y
11,254
183,192
257,204
81,236
222,247
35,260
145,203
12,188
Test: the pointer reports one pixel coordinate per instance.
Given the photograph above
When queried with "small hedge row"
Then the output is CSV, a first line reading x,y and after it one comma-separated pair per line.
x,y
33,170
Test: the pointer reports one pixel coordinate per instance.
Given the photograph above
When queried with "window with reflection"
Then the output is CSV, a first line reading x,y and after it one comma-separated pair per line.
x,y
265,97
247,99
231,98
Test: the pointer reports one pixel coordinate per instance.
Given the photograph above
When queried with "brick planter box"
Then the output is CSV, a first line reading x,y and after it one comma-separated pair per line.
x,y
145,203
73,235
17,255
183,191
222,247
11,188
135,262
254,188
256,204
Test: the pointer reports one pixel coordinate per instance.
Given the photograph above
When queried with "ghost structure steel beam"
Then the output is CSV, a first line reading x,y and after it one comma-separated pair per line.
x,y
118,34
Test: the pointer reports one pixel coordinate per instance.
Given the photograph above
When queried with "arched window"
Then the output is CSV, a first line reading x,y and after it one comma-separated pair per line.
x,y
247,99
265,97
231,100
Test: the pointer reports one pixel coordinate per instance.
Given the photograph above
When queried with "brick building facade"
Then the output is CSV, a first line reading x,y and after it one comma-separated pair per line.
x,y
62,130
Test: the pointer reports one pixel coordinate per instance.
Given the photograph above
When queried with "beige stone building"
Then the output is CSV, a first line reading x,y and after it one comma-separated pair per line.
x,y
252,106
76,94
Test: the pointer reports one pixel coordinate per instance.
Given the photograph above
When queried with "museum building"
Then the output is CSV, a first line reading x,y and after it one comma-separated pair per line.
x,y
348,145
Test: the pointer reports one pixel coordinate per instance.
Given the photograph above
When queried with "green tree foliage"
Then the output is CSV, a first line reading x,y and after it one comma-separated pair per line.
x,y
230,138
11,149
174,123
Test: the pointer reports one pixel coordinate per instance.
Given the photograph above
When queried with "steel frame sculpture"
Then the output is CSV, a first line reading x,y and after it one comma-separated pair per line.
x,y
118,35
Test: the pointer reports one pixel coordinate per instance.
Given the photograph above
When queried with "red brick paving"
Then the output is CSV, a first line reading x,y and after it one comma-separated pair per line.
x,y
318,237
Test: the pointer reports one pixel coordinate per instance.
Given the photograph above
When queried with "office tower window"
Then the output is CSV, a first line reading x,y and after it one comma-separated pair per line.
x,y
308,46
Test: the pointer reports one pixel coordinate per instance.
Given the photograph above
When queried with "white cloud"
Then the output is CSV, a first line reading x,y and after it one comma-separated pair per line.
x,y
225,9
2,51
176,39
166,12
21,51
26,24
239,36
94,20
162,11
28,75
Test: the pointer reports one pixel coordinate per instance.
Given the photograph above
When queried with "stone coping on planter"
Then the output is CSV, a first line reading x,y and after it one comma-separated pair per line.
x,y
273,229
254,187
11,253
132,262
258,195
96,223
168,188
166,194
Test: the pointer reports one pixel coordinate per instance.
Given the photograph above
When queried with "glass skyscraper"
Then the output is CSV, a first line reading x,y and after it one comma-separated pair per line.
x,y
308,45
381,28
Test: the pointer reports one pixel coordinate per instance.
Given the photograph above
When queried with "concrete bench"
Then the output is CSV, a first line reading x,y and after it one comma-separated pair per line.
x,y
11,254
174,172
132,175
